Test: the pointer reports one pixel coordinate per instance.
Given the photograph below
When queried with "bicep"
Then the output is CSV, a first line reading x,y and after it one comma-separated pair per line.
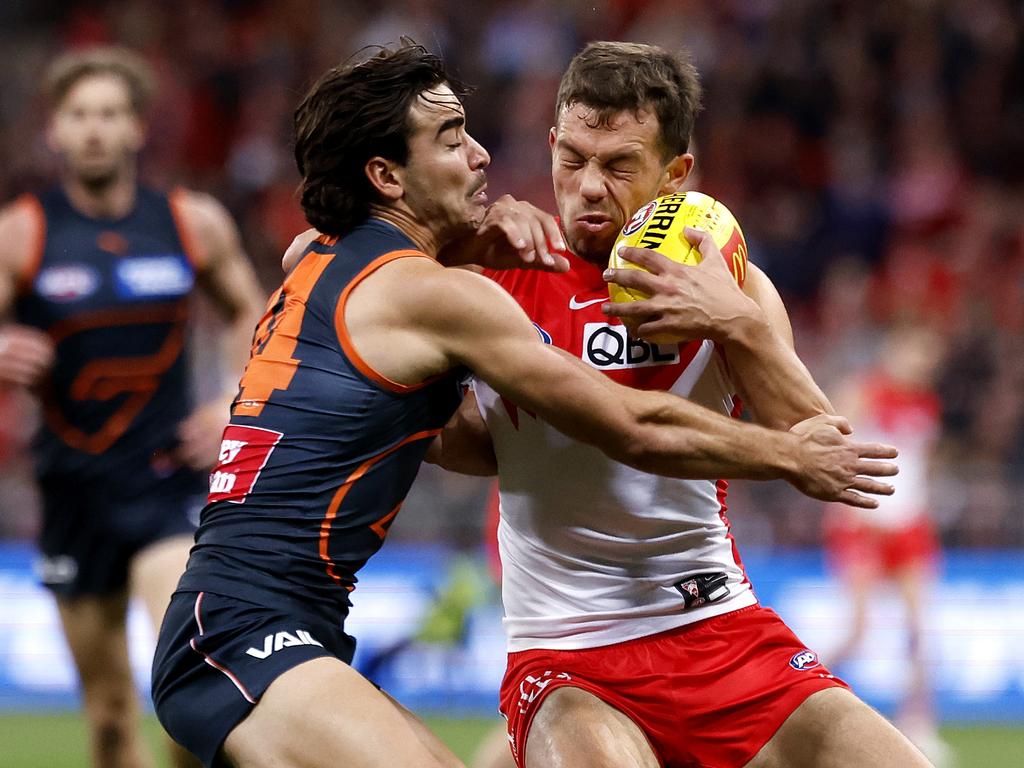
x,y
760,288
22,231
482,328
225,273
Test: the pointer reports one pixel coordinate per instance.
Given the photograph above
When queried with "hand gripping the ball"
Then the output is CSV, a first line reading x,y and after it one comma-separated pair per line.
x,y
685,301
831,467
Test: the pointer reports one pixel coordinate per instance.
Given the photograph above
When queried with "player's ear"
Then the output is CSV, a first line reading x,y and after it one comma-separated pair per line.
x,y
383,177
675,174
552,137
139,134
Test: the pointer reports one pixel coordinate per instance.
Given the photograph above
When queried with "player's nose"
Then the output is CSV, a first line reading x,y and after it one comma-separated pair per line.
x,y
479,158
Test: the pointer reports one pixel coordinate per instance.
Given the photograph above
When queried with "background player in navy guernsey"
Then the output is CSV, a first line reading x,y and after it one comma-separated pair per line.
x,y
98,271
355,368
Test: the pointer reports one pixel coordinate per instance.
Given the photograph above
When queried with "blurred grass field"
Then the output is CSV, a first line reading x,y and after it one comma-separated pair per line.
x,y
58,741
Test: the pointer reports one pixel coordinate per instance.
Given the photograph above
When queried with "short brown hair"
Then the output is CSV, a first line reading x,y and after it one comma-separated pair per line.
x,y
614,77
67,70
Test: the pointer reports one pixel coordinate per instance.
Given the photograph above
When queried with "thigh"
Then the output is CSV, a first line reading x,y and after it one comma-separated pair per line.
x,y
835,729
323,714
154,573
94,627
575,729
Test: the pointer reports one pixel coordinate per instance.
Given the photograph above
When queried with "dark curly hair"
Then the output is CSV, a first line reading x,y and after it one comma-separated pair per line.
x,y
613,77
354,112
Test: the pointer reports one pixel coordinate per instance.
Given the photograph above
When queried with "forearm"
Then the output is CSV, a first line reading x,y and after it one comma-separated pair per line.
x,y
774,382
681,439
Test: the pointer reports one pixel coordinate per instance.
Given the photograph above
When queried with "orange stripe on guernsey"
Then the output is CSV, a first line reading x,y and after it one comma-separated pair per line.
x,y
346,340
342,492
28,272
176,202
271,366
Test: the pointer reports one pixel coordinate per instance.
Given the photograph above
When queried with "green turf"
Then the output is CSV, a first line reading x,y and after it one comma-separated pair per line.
x,y
58,741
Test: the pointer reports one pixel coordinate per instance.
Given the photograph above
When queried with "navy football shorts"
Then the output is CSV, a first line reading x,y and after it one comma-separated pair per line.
x,y
89,536
217,655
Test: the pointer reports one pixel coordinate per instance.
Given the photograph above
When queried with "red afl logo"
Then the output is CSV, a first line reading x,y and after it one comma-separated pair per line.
x,y
639,218
805,659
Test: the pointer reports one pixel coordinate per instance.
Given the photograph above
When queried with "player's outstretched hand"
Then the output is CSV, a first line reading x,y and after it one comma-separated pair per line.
x,y
200,434
298,247
686,301
834,468
513,234
26,354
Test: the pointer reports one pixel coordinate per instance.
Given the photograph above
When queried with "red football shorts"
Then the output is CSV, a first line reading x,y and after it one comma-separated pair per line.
x,y
709,694
852,544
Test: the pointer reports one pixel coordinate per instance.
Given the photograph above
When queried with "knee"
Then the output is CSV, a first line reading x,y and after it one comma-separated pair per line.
x,y
110,710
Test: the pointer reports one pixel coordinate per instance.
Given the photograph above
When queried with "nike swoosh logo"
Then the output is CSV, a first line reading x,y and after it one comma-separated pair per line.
x,y
573,304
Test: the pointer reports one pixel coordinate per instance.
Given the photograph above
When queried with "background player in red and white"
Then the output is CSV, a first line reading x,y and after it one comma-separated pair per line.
x,y
896,543
97,272
634,635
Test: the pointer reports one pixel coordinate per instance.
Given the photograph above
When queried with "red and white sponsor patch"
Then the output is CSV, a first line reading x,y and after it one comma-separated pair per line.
x,y
244,452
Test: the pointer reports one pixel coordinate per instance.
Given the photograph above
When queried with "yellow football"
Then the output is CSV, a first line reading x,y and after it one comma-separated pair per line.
x,y
659,226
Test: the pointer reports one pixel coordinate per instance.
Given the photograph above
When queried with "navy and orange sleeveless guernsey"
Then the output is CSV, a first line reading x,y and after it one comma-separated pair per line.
x,y
321,450
113,295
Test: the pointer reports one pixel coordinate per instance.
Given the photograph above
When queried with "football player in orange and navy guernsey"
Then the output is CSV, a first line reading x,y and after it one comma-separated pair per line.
x,y
98,272
355,369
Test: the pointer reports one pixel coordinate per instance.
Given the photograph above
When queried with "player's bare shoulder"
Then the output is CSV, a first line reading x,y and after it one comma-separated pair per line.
x,y
207,229
453,300
22,232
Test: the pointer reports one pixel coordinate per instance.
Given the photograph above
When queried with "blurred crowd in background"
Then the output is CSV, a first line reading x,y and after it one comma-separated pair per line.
x,y
873,153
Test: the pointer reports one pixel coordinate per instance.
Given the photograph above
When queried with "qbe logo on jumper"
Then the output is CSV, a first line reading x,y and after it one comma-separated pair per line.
x,y
610,348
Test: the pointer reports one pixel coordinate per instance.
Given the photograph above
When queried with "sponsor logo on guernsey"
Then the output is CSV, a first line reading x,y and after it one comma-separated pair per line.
x,y
276,641
544,335
137,277
639,218
805,659
574,304
67,282
610,348
244,452
533,685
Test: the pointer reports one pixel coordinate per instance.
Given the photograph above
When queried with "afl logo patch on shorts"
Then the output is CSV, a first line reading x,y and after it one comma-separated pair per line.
x,y
805,659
